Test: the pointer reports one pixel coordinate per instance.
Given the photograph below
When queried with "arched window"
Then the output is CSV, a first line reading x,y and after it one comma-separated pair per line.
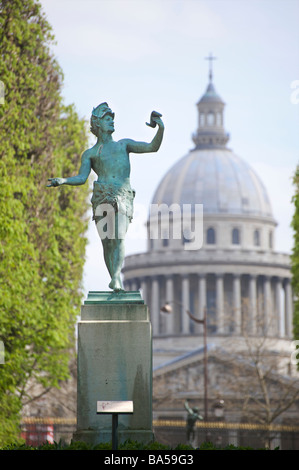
x,y
202,119
236,236
256,238
211,236
211,119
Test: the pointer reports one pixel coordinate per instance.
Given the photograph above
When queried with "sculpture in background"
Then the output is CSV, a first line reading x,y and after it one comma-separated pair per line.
x,y
112,199
193,416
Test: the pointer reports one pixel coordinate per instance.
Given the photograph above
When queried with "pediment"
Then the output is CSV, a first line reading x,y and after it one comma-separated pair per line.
x,y
227,373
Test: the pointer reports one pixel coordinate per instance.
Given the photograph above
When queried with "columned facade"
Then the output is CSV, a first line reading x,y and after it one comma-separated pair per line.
x,y
260,304
232,271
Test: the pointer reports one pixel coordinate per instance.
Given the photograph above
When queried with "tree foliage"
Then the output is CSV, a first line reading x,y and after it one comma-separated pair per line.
x,y
295,256
42,230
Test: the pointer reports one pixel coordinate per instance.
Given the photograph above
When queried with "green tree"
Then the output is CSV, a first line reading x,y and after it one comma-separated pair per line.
x,y
295,255
42,232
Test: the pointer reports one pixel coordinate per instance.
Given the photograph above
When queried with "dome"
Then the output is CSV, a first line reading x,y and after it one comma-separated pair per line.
x,y
211,96
222,265
212,174
218,179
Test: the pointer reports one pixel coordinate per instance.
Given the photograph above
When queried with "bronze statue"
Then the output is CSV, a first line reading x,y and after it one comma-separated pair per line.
x,y
193,416
112,199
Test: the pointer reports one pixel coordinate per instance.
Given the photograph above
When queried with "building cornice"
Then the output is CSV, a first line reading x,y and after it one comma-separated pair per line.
x,y
206,256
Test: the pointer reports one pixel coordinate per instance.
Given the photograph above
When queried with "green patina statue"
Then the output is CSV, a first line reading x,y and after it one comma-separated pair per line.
x,y
193,416
112,199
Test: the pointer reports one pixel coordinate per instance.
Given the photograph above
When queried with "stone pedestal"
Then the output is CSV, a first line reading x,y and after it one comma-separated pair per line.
x,y
114,364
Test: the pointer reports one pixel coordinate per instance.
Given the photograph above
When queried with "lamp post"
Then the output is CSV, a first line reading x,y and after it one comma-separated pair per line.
x,y
219,414
219,409
167,309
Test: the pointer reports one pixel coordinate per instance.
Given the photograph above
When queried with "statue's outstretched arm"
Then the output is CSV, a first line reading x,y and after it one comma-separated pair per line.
x,y
77,180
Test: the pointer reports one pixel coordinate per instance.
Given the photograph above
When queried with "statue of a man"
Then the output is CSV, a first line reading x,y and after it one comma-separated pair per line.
x,y
193,416
112,199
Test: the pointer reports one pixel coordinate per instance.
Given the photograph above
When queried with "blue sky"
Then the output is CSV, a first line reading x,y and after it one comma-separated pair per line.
x,y
140,55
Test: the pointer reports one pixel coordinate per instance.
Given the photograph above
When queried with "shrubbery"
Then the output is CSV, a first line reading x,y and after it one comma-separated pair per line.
x,y
127,445
42,231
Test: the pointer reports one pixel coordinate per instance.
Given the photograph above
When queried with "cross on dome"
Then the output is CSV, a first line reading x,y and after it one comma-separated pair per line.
x,y
210,59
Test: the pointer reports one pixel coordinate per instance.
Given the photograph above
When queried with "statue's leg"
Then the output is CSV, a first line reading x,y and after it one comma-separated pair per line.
x,y
107,257
112,227
118,250
105,224
117,262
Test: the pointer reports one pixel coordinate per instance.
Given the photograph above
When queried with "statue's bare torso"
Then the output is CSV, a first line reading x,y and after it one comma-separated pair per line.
x,y
111,162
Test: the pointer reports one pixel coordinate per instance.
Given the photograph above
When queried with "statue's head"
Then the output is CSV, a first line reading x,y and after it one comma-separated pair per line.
x,y
195,409
97,114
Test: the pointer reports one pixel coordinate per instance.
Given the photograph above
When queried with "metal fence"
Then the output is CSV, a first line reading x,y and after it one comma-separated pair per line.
x,y
36,431
222,434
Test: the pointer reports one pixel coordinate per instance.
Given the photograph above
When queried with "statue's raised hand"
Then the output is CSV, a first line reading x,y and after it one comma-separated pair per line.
x,y
155,119
56,182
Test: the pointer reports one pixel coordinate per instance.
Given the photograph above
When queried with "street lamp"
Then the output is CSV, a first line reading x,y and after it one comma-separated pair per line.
x,y
219,409
167,309
219,414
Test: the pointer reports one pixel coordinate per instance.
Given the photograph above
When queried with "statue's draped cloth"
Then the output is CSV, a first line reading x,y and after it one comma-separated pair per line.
x,y
121,198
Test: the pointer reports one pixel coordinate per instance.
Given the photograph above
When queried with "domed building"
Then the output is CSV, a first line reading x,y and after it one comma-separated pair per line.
x,y
230,267
211,255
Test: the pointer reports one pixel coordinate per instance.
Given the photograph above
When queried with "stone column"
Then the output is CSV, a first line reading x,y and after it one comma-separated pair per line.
x,y
279,317
268,312
237,303
144,289
220,303
259,307
170,319
252,311
202,301
288,308
155,305
186,304
133,284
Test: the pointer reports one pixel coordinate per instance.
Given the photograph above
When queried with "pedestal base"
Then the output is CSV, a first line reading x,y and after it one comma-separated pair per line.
x,y
114,363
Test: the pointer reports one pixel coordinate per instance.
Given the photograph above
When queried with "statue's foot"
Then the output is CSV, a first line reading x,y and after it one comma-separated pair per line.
x,y
116,285
118,289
